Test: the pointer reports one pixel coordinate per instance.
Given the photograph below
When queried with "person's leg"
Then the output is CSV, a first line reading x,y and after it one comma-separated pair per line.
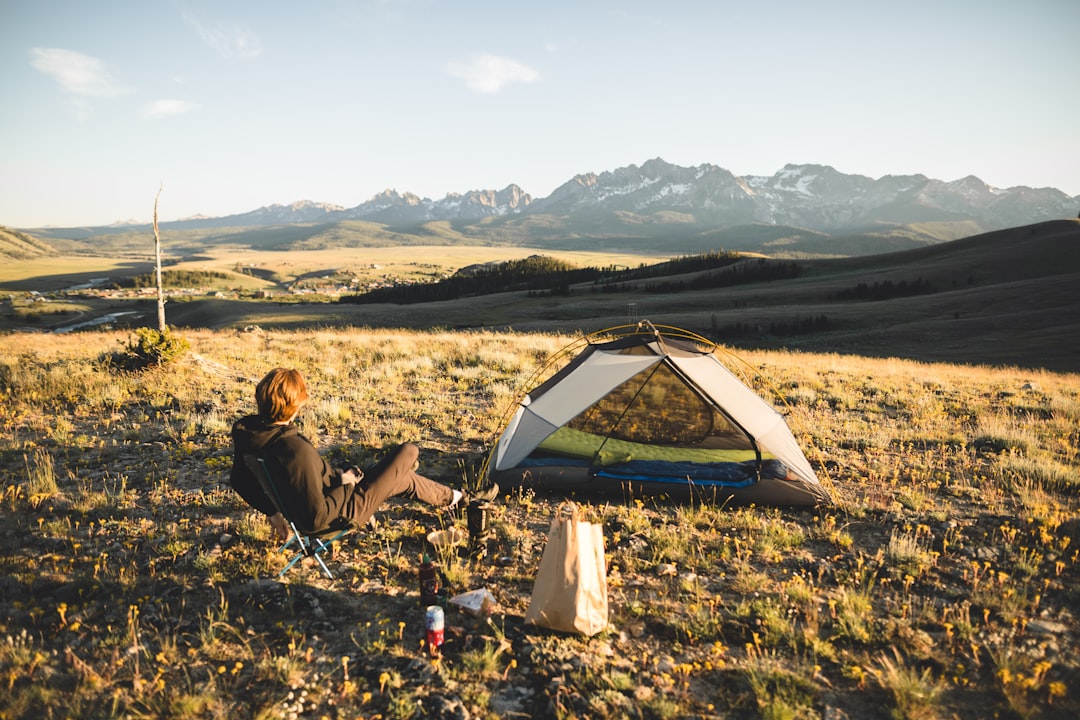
x,y
395,475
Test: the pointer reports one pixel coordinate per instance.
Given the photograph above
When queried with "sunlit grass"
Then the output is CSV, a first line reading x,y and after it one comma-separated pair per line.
x,y
953,540
916,694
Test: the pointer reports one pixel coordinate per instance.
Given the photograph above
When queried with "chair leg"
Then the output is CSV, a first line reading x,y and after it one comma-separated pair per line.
x,y
323,564
312,546
299,556
291,563
301,544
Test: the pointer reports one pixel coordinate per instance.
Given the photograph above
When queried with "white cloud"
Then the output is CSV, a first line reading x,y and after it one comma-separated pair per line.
x,y
235,43
488,74
166,107
78,74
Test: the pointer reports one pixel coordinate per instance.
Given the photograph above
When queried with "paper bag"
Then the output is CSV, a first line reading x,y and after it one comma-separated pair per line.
x,y
570,592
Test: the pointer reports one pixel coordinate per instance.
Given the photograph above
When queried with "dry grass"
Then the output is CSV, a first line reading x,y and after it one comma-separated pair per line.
x,y
941,584
366,264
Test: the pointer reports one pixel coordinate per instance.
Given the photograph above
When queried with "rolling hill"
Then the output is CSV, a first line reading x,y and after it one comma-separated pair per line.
x,y
1003,298
15,245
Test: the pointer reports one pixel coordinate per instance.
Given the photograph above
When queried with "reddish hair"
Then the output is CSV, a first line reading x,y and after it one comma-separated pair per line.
x,y
281,394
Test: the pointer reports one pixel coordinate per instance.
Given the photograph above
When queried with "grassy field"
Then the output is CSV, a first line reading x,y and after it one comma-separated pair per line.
x,y
1002,298
368,264
943,582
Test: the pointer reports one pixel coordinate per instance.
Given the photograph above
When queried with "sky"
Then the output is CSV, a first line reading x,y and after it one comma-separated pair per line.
x,y
225,106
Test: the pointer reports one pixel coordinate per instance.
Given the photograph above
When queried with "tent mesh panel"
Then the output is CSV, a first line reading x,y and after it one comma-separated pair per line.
x,y
656,406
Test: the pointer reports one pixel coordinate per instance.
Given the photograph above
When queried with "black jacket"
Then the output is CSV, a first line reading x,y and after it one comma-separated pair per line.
x,y
312,493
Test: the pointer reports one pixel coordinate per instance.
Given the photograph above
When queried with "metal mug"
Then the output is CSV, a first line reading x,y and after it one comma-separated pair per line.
x,y
476,515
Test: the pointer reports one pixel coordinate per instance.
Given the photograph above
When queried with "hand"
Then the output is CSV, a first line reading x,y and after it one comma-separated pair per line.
x,y
351,476
280,526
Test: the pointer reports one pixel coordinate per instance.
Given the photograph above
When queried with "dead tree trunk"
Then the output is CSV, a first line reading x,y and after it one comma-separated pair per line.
x,y
157,254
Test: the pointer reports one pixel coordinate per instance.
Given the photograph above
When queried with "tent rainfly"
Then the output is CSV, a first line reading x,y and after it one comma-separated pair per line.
x,y
650,410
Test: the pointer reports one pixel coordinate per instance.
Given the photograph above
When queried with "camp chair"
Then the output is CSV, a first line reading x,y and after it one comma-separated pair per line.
x,y
310,543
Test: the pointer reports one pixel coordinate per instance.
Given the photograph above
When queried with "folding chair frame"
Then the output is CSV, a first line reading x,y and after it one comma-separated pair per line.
x,y
309,544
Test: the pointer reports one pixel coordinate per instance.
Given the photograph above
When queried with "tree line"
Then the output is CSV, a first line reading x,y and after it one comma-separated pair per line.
x,y
887,290
748,271
542,276
531,273
778,328
172,278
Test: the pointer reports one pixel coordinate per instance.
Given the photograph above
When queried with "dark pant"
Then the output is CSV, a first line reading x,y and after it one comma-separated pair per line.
x,y
394,475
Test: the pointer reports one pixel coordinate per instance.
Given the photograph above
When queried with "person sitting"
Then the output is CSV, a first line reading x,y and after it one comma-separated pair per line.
x,y
315,493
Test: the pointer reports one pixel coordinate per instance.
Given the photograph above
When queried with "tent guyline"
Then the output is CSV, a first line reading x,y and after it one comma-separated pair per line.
x,y
653,411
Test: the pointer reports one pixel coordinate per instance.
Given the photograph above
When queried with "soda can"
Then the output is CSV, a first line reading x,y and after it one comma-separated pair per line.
x,y
434,623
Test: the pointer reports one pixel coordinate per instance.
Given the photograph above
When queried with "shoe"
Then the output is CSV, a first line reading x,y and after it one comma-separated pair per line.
x,y
462,498
487,495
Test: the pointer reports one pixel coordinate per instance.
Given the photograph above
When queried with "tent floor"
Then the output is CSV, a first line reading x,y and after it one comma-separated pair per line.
x,y
577,480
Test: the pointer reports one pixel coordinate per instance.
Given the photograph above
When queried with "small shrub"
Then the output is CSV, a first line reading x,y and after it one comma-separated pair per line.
x,y
41,476
782,692
147,347
916,693
909,552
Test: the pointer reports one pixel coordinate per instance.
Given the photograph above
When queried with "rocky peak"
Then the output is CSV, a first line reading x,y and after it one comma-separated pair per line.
x,y
814,196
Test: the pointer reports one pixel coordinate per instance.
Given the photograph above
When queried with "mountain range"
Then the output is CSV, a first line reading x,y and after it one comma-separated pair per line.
x,y
815,197
801,210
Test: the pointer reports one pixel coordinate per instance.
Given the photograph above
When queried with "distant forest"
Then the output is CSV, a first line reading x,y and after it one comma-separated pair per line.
x,y
542,276
748,271
173,279
887,290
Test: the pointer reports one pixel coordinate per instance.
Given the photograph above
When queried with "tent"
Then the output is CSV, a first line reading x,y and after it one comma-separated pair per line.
x,y
650,410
